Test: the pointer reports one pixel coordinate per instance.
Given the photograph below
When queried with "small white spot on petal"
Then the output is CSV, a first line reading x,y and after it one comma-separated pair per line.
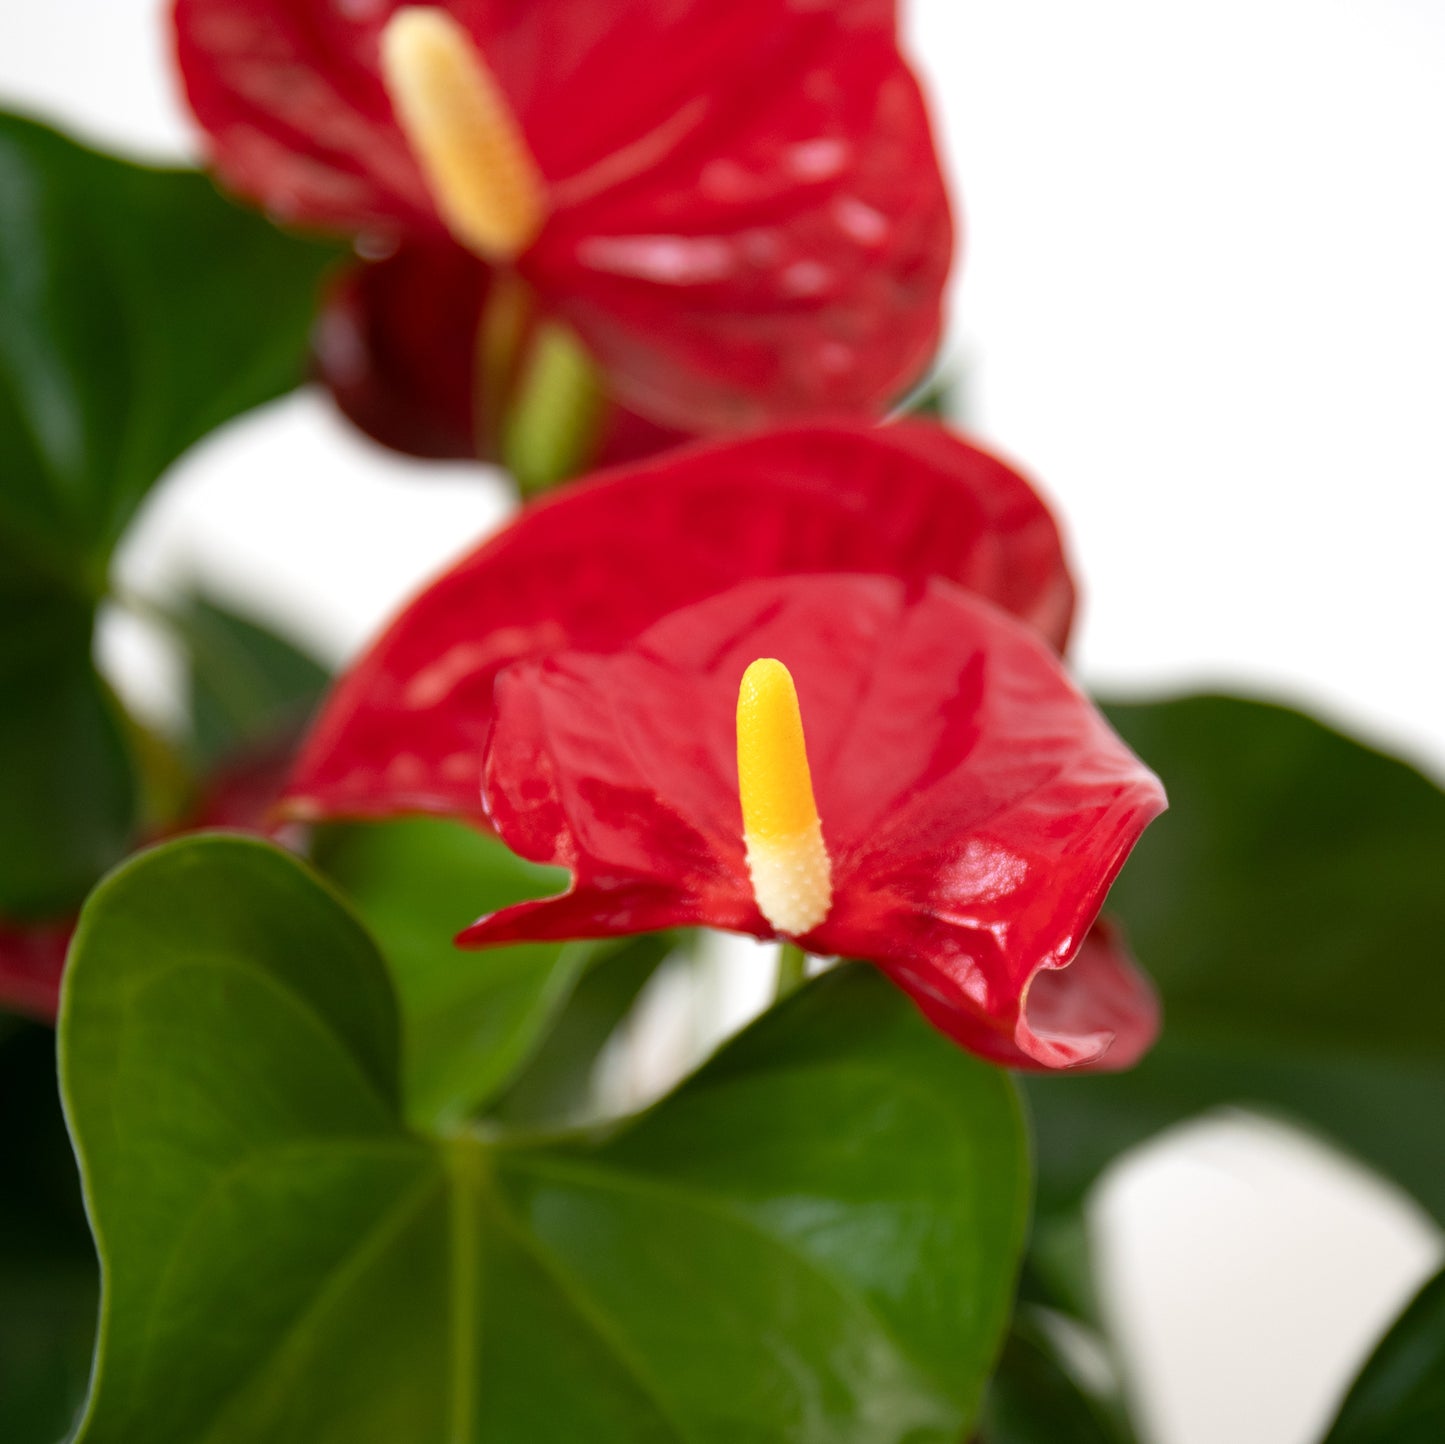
x,y
867,226
667,260
817,160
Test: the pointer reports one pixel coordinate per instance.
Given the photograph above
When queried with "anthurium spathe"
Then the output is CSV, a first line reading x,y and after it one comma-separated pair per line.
x,y
737,208
955,814
594,567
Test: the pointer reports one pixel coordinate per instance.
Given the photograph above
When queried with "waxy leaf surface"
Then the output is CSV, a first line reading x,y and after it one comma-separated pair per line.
x,y
1289,908
814,1239
595,566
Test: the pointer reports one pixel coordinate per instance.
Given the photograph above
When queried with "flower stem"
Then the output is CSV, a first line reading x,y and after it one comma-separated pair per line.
x,y
550,430
792,970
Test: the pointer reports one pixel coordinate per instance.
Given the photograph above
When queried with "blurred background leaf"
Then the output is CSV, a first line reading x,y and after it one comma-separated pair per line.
x,y
245,681
68,798
555,1085
138,311
1034,1397
1399,1396
1290,908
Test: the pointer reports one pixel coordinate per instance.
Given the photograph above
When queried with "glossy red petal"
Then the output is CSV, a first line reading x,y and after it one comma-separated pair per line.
x,y
598,563
783,254
1026,573
747,221
32,958
290,96
976,807
1101,1000
397,346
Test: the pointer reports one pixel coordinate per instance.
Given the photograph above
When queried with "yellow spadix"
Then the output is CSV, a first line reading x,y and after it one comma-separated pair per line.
x,y
787,860
462,131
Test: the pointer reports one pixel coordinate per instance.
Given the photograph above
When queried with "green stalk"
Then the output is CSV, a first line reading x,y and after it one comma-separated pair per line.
x,y
792,970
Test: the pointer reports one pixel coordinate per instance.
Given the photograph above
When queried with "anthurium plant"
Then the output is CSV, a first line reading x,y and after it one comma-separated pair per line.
x,y
311,1011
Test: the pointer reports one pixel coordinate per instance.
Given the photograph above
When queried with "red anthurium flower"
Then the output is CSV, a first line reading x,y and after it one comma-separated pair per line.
x,y
737,208
971,806
593,568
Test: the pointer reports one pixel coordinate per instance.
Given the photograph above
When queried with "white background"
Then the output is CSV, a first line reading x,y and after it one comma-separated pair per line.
x,y
1203,301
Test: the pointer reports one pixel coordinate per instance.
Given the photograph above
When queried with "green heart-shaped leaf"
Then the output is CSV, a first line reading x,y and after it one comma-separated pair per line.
x,y
1290,907
138,311
813,1240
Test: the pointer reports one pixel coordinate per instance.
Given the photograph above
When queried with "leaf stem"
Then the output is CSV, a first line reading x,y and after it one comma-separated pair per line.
x,y
466,1162
792,969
